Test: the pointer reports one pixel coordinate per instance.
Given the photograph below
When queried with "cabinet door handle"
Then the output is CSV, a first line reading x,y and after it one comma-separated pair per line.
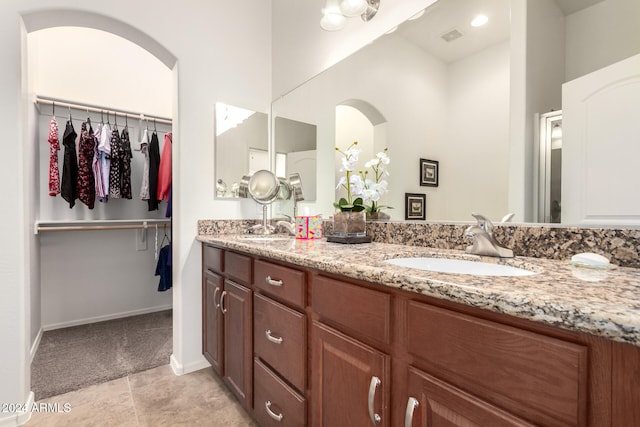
x,y
267,407
214,297
272,282
275,340
222,295
373,385
412,404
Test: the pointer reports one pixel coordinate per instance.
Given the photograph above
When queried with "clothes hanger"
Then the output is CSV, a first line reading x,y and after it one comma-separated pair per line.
x,y
115,120
70,114
165,237
54,108
88,118
102,117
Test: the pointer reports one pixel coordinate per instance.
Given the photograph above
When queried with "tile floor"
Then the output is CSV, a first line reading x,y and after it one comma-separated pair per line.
x,y
155,397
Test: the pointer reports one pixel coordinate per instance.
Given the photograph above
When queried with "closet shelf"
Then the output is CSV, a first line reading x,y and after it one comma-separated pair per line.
x,y
107,224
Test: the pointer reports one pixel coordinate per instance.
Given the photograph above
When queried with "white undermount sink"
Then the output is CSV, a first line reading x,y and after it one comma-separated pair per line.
x,y
460,266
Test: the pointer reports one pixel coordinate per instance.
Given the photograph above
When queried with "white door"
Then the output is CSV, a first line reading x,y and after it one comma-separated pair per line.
x,y
601,146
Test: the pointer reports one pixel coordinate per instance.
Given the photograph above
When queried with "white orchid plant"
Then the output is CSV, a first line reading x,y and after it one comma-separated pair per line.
x,y
363,190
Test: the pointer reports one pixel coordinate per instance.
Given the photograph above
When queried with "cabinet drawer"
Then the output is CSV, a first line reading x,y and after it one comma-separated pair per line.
x,y
212,258
280,339
274,399
361,311
539,378
237,267
283,283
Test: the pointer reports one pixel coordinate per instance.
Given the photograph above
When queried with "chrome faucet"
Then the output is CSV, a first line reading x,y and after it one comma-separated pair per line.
x,y
290,226
484,243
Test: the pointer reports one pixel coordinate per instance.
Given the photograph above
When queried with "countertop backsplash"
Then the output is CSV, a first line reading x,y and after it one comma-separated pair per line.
x,y
620,246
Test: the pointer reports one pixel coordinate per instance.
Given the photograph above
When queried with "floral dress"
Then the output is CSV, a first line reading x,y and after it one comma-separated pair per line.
x,y
125,179
115,172
54,147
86,184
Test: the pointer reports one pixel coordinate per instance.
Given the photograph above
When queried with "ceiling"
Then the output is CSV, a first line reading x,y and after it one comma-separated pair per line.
x,y
445,16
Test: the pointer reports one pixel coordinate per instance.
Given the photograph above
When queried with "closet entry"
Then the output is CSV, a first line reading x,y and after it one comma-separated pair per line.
x,y
103,218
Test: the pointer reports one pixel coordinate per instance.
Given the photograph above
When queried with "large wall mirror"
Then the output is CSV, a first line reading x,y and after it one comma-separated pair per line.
x,y
295,146
464,96
241,147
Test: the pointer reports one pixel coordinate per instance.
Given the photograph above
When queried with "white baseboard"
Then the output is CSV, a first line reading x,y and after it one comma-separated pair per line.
x,y
34,345
19,418
105,317
179,369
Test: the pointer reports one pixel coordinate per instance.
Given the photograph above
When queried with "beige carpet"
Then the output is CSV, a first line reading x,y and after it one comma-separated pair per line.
x,y
72,358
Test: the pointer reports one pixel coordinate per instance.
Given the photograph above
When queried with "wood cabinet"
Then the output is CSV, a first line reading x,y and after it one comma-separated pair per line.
x,y
235,304
213,327
351,381
304,347
280,344
435,403
226,319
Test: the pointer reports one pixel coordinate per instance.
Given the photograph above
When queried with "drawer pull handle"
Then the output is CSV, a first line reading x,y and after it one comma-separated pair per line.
x,y
214,296
275,340
222,295
373,385
267,407
412,404
272,282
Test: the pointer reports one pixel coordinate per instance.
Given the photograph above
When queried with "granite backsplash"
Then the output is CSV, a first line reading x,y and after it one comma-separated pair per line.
x,y
621,246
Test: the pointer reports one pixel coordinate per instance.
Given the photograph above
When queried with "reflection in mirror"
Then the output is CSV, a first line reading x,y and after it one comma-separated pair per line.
x,y
467,97
295,147
241,144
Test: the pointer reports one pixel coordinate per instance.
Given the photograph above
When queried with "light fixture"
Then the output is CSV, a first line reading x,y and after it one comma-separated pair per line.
x,y
351,8
556,131
332,19
479,21
336,12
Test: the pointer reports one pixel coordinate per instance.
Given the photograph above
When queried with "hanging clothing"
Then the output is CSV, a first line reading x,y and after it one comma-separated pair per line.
x,y
163,268
164,172
168,211
115,173
86,184
70,165
144,149
105,159
54,147
154,165
96,164
125,171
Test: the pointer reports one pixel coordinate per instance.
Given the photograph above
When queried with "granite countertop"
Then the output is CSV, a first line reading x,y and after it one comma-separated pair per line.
x,y
604,303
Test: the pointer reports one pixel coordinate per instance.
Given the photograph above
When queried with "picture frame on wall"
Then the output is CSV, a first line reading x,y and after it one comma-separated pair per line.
x,y
415,206
429,171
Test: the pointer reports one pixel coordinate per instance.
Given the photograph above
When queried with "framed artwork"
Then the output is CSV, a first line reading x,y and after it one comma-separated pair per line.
x,y
429,172
415,206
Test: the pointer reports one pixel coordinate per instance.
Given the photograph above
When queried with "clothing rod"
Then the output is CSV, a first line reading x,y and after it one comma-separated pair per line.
x,y
96,109
95,227
106,225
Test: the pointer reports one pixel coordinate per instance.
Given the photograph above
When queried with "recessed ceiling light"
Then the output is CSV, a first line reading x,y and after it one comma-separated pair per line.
x,y
479,21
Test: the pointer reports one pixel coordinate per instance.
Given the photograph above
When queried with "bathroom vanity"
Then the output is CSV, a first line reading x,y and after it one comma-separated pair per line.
x,y
324,334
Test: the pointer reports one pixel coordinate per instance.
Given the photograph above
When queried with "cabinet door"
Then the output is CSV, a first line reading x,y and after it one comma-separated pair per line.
x,y
434,403
212,321
351,381
236,305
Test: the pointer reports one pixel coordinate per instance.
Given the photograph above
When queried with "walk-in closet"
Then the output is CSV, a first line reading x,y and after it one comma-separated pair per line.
x,y
101,115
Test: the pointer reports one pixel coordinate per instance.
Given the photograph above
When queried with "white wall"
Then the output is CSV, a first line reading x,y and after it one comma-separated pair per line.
x,y
98,68
199,36
600,35
474,166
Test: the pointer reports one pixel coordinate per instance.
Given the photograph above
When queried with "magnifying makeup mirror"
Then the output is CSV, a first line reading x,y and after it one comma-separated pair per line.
x,y
263,187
